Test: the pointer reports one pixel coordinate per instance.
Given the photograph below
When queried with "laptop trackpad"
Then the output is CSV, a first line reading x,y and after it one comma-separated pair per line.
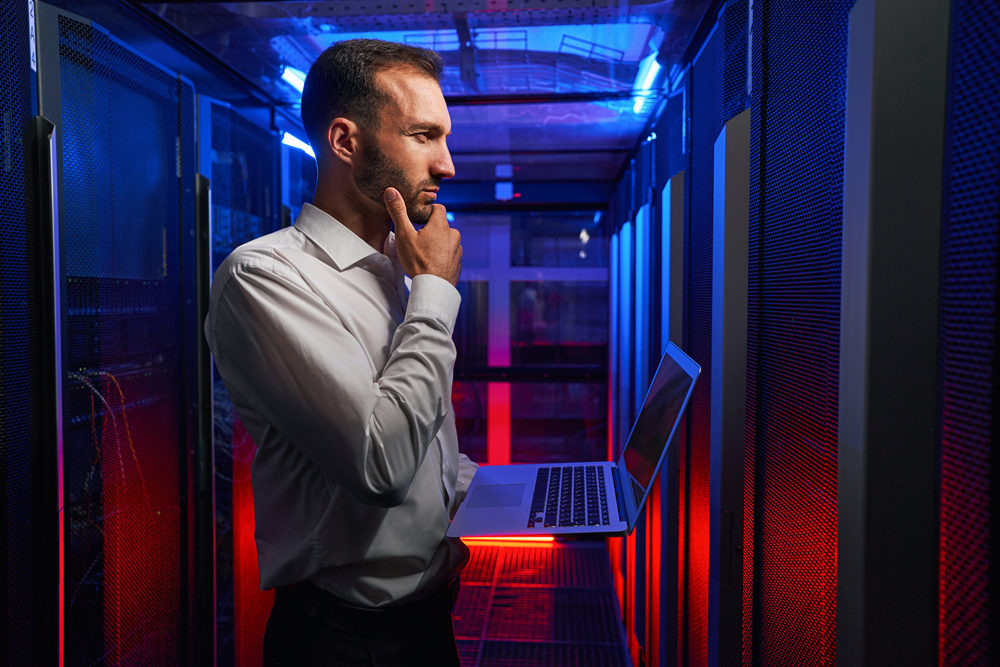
x,y
497,495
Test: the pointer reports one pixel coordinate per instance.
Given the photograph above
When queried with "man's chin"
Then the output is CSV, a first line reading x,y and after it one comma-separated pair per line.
x,y
420,214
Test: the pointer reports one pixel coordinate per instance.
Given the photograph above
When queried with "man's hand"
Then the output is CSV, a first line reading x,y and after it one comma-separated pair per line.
x,y
436,249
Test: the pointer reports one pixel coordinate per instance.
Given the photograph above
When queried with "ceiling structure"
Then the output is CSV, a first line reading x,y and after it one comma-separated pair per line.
x,y
560,90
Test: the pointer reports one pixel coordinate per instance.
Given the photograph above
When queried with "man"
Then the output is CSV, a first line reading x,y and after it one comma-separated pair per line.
x,y
343,377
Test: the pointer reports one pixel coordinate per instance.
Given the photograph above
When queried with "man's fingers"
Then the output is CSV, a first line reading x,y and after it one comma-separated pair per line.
x,y
438,216
397,211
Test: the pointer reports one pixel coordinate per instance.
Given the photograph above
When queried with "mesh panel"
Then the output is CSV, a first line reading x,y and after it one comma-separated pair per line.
x,y
468,652
753,328
733,59
481,566
501,654
20,355
553,614
469,613
556,567
795,246
705,126
245,168
128,215
539,605
968,332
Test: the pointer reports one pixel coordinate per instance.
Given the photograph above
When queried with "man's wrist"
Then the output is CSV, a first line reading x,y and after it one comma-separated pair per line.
x,y
430,294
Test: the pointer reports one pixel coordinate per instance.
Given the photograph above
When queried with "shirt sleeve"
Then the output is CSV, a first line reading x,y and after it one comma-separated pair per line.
x,y
282,349
466,471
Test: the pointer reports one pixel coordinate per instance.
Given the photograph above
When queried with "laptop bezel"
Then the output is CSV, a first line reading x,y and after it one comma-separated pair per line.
x,y
624,484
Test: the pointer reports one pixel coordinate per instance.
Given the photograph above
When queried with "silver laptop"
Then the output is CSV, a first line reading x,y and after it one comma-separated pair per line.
x,y
573,498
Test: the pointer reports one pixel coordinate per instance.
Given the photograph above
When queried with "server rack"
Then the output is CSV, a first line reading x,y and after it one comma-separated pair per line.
x,y
29,433
969,404
124,186
243,163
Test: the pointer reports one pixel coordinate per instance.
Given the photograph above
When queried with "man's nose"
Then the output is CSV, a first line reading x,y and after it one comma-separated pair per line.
x,y
443,167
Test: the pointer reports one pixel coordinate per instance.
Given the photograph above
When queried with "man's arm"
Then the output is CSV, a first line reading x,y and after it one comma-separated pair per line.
x,y
466,471
283,350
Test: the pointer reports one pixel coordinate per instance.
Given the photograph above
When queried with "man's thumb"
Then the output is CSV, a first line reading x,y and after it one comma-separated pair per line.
x,y
397,210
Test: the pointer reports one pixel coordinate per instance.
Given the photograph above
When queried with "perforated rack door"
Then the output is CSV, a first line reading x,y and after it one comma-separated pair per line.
x,y
706,122
127,175
796,193
968,343
27,629
245,190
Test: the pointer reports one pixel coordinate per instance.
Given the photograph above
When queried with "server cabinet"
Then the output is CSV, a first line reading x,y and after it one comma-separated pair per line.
x,y
124,132
796,85
243,163
28,429
969,417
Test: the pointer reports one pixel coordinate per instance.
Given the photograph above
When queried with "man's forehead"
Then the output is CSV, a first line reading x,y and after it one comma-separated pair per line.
x,y
416,98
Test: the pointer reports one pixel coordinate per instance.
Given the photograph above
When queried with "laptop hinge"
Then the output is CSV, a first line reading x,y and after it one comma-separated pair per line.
x,y
618,494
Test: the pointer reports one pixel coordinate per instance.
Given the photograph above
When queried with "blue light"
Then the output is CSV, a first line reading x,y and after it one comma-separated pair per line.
x,y
648,69
503,191
450,217
295,78
597,217
295,142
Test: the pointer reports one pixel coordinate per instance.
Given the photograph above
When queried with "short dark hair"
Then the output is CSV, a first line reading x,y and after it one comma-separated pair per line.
x,y
341,83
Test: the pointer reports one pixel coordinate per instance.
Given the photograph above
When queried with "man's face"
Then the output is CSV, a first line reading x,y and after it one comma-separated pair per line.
x,y
408,151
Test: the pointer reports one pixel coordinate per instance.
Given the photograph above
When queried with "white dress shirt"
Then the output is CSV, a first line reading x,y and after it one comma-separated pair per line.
x,y
343,380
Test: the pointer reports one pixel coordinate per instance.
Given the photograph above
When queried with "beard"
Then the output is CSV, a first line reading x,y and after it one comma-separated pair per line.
x,y
379,172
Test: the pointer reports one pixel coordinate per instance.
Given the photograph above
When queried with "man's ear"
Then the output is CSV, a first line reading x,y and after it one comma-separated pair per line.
x,y
343,139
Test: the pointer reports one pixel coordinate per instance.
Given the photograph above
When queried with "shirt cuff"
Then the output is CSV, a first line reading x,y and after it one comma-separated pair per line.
x,y
434,296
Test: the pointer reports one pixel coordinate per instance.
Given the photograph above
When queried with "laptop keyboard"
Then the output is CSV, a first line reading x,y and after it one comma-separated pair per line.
x,y
569,496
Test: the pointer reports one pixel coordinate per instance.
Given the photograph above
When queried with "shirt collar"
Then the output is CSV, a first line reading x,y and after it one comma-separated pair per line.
x,y
342,246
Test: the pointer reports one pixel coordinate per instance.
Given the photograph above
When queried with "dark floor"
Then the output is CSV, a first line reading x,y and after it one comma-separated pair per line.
x,y
539,605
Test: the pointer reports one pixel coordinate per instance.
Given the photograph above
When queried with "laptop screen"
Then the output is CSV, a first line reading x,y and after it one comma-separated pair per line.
x,y
659,414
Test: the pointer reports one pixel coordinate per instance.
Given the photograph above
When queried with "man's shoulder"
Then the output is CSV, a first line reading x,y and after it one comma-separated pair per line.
x,y
270,258
261,255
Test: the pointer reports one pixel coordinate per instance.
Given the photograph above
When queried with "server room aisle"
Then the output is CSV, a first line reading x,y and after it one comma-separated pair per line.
x,y
539,604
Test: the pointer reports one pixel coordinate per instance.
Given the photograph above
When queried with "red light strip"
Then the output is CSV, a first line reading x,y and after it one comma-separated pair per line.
x,y
500,538
498,423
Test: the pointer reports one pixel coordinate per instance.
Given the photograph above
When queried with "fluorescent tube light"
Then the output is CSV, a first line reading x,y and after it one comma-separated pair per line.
x,y
295,78
648,69
295,142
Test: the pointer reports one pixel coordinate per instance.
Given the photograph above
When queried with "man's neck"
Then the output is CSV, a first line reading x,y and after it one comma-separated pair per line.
x,y
369,222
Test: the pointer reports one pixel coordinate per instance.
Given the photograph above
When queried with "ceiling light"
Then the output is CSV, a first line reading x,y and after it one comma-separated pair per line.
x,y
295,142
293,77
648,69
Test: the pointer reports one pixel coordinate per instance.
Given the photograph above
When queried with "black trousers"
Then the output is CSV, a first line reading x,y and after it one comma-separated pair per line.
x,y
309,626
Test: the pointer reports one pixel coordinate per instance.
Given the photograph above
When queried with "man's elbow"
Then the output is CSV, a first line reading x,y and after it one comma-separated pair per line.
x,y
386,487
385,496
